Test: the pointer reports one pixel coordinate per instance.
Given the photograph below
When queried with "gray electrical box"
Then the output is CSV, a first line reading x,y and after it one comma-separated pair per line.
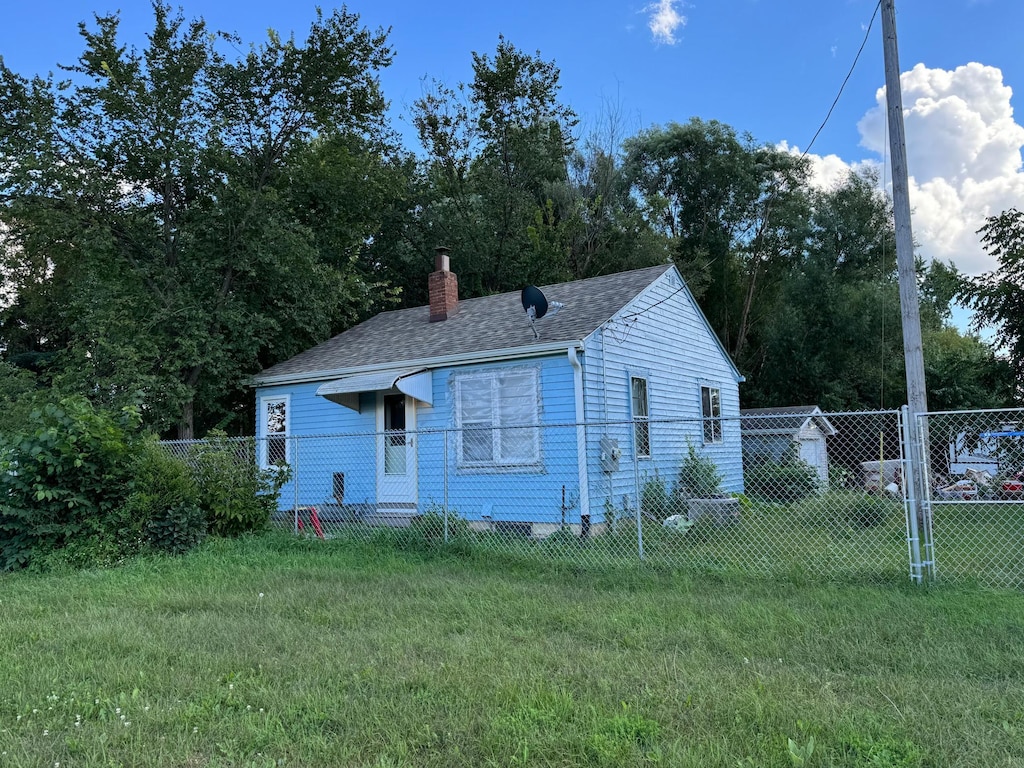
x,y
610,454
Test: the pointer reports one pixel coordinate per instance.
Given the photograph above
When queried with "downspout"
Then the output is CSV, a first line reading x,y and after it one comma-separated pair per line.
x,y
581,433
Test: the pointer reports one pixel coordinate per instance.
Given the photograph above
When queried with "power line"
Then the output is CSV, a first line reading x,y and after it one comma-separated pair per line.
x,y
771,198
853,66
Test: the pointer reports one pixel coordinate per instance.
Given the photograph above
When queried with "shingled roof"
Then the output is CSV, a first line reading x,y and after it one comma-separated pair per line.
x,y
783,420
481,325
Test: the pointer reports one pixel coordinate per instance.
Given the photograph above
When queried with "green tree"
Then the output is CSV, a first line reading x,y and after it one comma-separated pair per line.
x,y
177,218
494,149
997,297
735,214
834,339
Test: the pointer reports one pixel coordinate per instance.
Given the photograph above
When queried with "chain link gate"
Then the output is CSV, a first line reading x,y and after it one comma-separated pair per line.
x,y
974,506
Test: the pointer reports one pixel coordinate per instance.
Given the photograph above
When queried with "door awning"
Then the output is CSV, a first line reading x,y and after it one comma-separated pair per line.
x,y
414,382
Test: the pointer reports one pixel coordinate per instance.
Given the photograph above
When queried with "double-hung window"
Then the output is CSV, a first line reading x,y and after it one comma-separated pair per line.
x,y
274,418
711,414
497,414
641,417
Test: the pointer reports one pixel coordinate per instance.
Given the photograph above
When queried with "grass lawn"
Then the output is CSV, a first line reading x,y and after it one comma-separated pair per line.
x,y
277,651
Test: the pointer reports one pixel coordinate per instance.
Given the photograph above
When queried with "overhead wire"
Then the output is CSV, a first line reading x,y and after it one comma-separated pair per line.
x,y
771,199
842,87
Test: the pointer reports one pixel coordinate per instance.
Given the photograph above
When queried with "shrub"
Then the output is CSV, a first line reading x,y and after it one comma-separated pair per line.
x,y
164,502
656,502
699,477
64,483
237,495
791,480
176,529
425,534
430,526
563,538
867,510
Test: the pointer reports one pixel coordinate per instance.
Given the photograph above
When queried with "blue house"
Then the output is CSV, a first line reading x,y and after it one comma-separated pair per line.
x,y
460,405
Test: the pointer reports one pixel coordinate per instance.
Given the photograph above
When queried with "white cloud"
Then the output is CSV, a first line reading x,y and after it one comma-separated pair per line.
x,y
664,20
829,170
963,157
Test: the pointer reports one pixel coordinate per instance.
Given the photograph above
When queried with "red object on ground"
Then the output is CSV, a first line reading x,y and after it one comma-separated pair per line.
x,y
314,520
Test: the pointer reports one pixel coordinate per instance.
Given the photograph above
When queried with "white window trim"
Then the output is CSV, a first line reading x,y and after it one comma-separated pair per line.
x,y
637,418
497,464
264,436
715,420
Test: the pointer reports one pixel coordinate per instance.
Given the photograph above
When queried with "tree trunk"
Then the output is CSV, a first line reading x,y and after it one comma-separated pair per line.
x,y
186,425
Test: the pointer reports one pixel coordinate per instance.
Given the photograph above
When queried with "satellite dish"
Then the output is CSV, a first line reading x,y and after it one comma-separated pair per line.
x,y
537,306
534,302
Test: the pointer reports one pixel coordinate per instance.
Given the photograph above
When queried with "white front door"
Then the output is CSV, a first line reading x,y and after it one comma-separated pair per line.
x,y
396,451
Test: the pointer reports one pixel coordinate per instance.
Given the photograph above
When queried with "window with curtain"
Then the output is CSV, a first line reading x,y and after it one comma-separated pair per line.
x,y
274,446
497,414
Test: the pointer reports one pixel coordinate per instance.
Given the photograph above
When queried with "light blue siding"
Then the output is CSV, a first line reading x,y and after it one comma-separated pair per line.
x,y
663,337
327,438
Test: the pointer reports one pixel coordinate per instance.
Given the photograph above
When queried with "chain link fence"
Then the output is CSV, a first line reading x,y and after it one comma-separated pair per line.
x,y
973,515
794,492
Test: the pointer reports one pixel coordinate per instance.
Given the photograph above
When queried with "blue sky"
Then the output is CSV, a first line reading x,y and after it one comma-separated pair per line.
x,y
769,67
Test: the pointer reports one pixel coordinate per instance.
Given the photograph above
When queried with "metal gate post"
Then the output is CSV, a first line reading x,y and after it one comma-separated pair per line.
x,y
445,470
295,480
911,476
925,494
636,498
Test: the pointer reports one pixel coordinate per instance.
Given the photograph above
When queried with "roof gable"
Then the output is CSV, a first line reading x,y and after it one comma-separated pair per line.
x,y
481,327
786,420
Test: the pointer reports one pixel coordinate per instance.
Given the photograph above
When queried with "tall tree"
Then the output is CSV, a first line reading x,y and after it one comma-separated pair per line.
x,y
178,218
834,338
734,212
997,297
495,146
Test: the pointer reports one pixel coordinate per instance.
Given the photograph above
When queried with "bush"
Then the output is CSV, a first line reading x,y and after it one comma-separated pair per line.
x,y
237,495
176,530
699,477
867,510
164,503
791,480
656,502
430,526
64,483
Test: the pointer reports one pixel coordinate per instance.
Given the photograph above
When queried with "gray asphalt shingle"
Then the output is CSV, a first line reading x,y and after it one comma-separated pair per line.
x,y
481,325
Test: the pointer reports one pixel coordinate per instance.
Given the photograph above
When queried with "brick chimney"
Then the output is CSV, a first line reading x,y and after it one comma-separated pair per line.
x,y
444,288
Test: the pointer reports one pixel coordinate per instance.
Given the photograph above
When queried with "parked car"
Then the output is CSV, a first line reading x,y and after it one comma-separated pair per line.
x,y
1012,487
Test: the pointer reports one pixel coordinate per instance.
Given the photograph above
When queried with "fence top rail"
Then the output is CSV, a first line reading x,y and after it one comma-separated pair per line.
x,y
975,411
693,422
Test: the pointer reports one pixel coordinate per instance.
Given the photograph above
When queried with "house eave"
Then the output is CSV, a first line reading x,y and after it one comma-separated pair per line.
x,y
463,358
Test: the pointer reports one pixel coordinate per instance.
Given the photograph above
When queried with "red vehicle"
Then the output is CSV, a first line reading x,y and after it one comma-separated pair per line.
x,y
1013,487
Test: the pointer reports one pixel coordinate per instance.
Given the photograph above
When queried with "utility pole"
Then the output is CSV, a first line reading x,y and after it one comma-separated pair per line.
x,y
912,349
913,352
